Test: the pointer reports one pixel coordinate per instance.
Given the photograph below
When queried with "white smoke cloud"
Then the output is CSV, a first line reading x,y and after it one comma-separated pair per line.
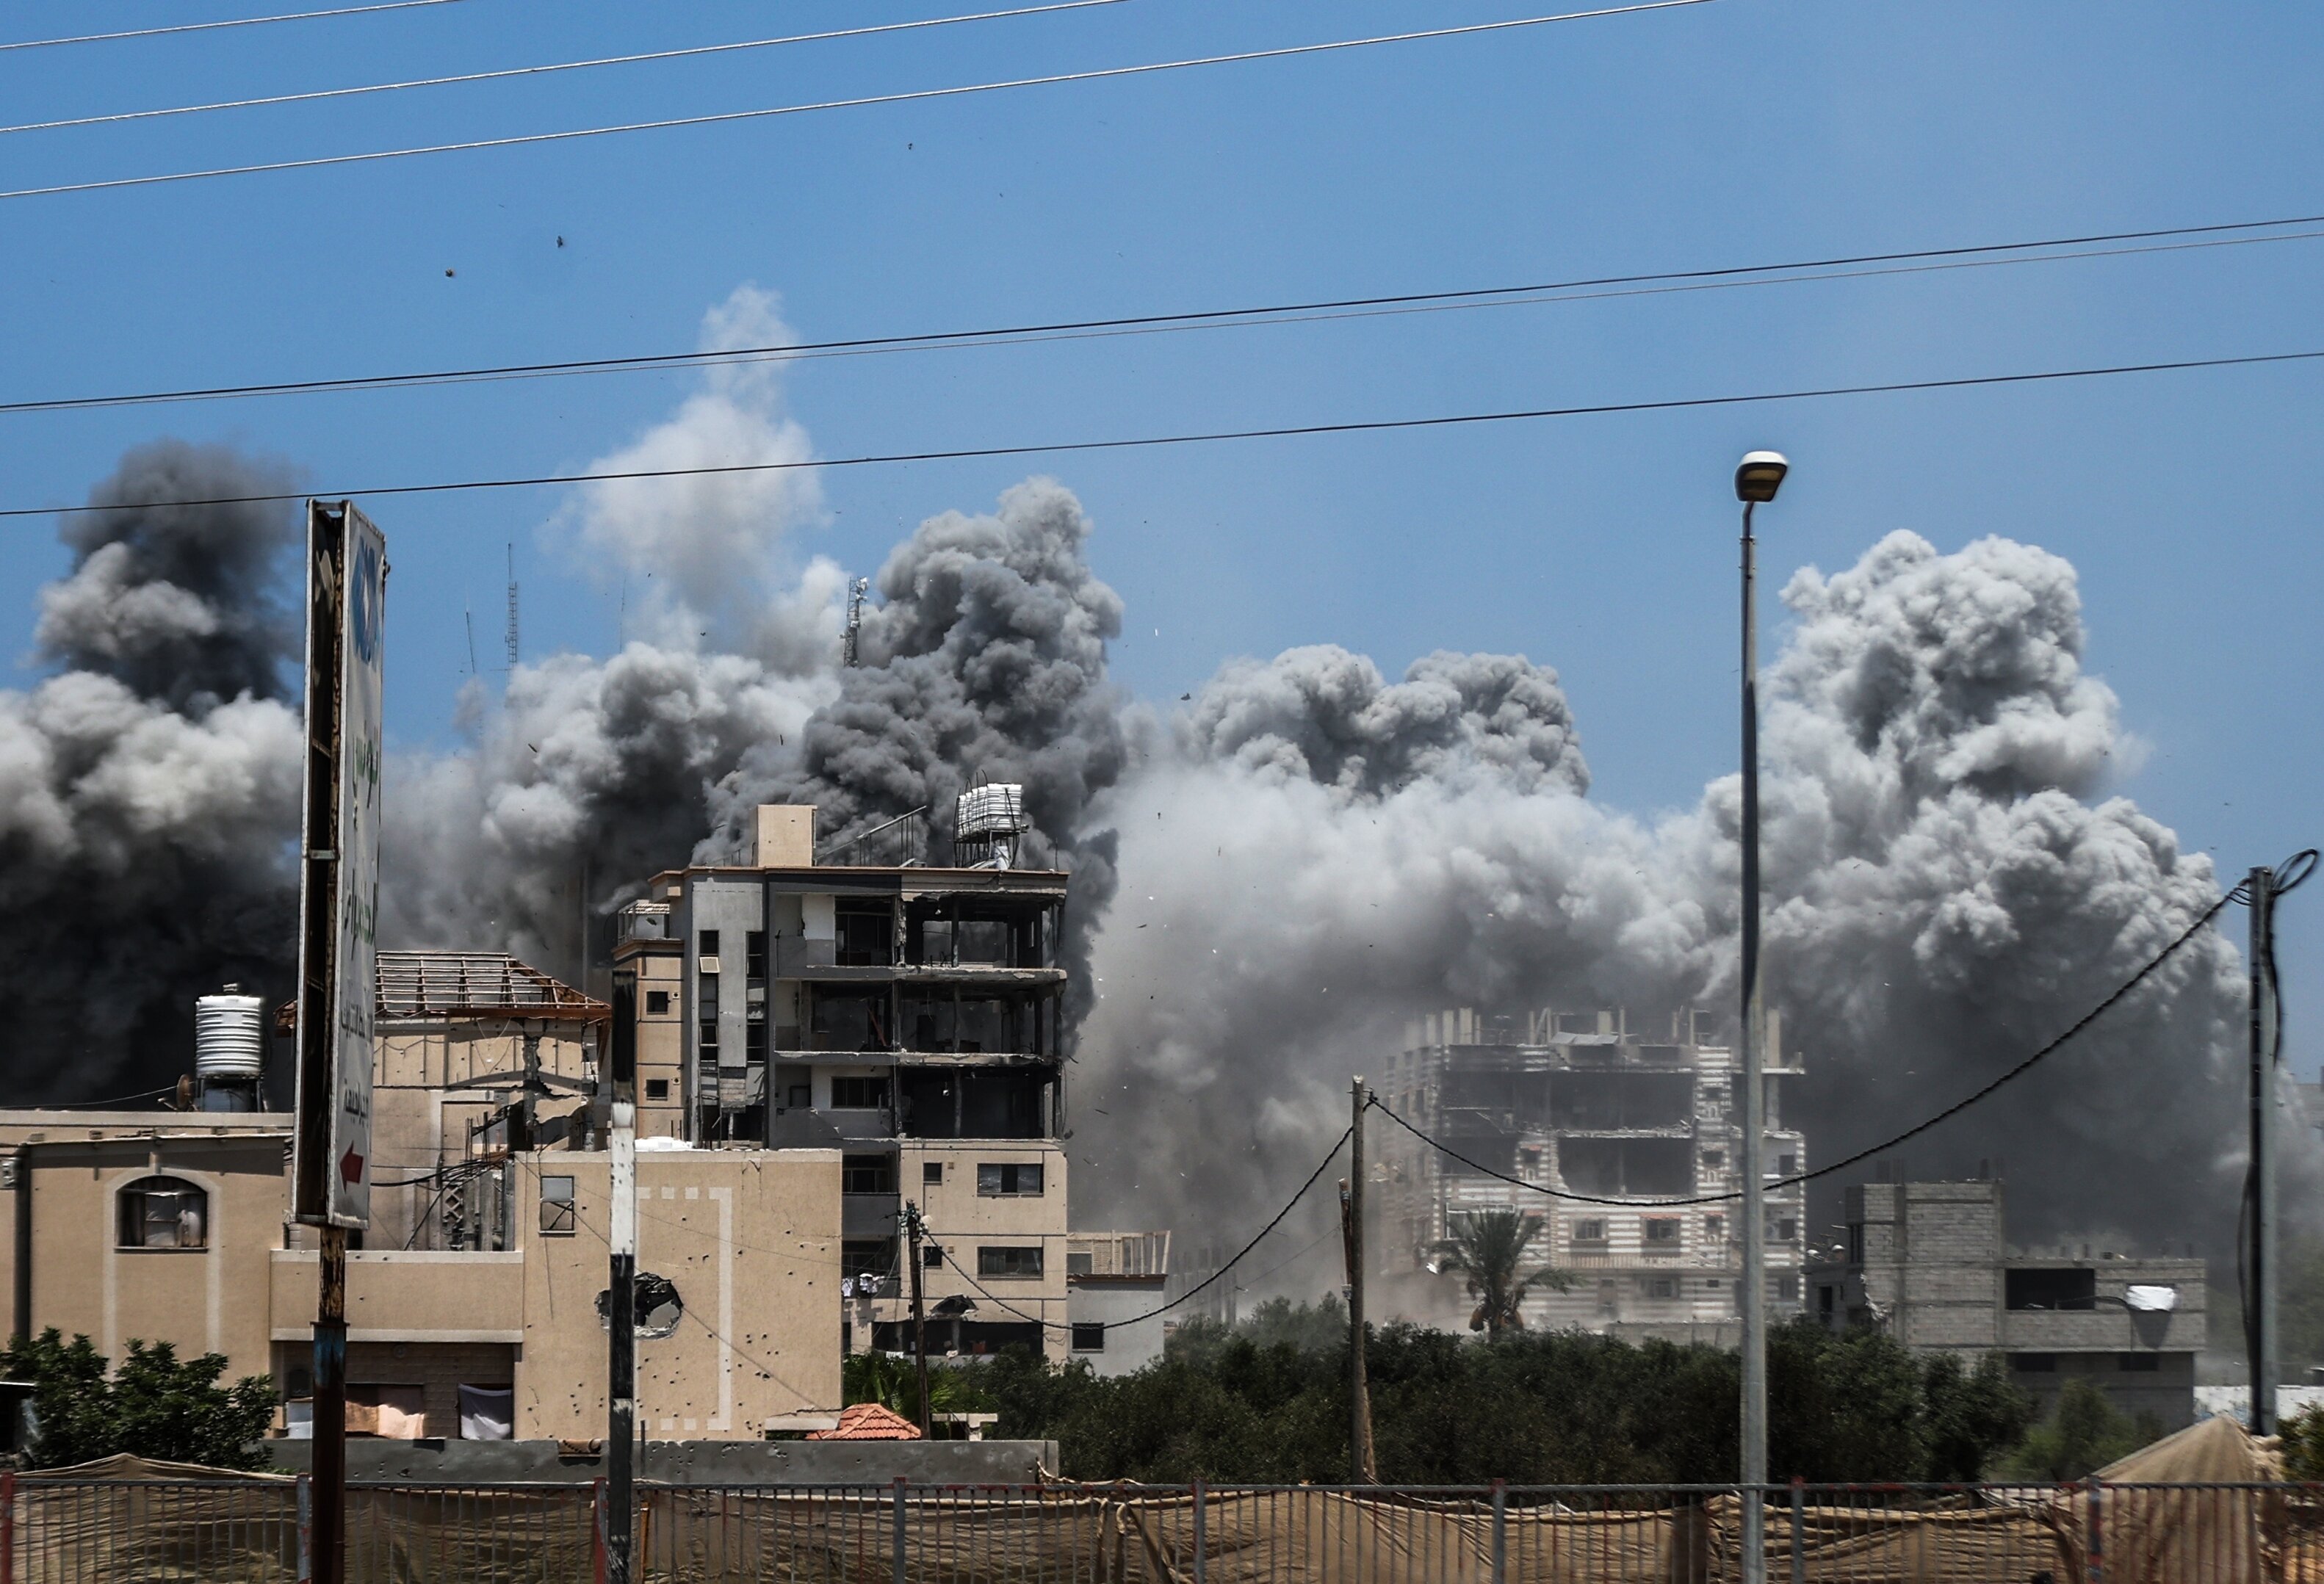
x,y
1310,861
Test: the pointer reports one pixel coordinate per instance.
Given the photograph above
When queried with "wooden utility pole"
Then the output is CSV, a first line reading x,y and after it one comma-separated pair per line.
x,y
1363,1471
919,1319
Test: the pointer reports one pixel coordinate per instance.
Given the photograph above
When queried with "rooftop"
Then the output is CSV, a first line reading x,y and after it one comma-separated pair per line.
x,y
476,984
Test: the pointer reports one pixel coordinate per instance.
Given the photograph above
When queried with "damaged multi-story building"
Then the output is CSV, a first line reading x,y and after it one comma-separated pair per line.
x,y
1931,1264
905,1015
1595,1120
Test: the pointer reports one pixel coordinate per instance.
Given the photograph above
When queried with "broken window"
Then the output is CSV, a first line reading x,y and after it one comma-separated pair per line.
x,y
866,928
559,1214
1783,1230
1008,1179
1621,1099
2050,1289
849,1021
983,941
1627,1165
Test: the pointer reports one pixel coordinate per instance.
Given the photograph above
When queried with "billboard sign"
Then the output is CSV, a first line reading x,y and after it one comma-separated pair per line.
x,y
338,890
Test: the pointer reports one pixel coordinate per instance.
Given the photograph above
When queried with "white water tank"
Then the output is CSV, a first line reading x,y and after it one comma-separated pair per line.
x,y
229,1036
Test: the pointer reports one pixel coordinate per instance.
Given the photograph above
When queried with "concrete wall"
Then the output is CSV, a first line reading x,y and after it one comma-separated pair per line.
x,y
207,1300
751,1240
1109,1300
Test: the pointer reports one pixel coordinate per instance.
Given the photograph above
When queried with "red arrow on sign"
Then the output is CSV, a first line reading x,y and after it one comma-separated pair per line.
x,y
351,1166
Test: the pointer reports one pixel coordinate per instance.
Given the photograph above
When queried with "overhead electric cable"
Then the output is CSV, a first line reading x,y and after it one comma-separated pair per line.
x,y
1286,431
311,94
1321,310
1886,1145
204,27
905,97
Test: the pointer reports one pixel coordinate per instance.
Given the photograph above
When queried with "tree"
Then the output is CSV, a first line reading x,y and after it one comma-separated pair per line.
x,y
154,1405
1490,1250
892,1381
2085,1431
2303,1444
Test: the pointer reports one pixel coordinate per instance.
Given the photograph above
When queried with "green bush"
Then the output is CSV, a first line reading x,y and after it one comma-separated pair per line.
x,y
2085,1431
156,1404
1270,1402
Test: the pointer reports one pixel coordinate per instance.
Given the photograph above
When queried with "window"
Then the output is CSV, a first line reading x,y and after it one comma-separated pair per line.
x,y
932,1257
798,1097
164,1213
754,1040
1080,1263
2066,1288
932,1173
866,1256
1662,1286
2035,1363
1661,1231
1714,1228
1855,1242
754,954
706,944
1783,1230
1089,1337
558,1214
859,1095
657,1003
1589,1231
866,928
867,1173
1007,1180
1008,1261
1787,1165
1787,1289
1714,1160
2139,1363
706,1002
1827,1301
657,1089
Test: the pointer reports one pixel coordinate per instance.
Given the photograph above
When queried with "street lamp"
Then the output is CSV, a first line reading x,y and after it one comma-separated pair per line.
x,y
1756,479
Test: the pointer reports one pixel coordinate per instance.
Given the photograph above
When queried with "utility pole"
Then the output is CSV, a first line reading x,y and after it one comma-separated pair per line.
x,y
1756,480
2259,1320
919,1319
327,1465
621,1286
1352,1230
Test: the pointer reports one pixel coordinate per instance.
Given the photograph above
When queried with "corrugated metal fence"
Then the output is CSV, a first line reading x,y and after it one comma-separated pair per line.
x,y
123,1531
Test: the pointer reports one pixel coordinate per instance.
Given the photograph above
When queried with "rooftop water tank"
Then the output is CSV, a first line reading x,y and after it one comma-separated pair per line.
x,y
229,1036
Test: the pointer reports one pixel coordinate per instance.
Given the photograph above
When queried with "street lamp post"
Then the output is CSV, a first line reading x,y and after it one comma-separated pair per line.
x,y
1756,479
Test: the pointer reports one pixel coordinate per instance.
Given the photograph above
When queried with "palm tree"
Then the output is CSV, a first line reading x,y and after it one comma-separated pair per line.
x,y
1490,1250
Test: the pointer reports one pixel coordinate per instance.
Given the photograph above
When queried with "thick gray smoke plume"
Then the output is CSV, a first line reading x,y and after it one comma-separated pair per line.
x,y
1314,857
149,791
986,656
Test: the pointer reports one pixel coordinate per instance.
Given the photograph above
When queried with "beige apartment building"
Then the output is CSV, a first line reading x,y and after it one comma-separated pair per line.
x,y
904,1017
819,1045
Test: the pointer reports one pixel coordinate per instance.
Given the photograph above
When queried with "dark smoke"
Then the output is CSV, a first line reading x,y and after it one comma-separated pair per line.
x,y
149,791
985,662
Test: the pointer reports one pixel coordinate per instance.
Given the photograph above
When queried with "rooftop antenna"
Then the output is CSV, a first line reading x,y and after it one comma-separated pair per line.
x,y
856,590
512,613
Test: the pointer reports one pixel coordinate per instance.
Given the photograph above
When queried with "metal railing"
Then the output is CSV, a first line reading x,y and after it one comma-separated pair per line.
x,y
2088,1533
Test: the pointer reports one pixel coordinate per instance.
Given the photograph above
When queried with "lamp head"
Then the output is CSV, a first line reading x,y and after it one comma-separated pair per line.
x,y
1759,475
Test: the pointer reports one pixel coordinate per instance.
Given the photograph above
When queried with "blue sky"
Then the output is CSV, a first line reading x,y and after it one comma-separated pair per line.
x,y
1736,132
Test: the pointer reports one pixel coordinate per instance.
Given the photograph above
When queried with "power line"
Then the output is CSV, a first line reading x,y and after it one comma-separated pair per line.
x,y
313,94
861,101
203,27
1886,1145
1957,257
1287,431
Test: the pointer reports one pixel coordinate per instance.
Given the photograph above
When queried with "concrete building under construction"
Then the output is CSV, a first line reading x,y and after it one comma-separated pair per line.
x,y
1594,1120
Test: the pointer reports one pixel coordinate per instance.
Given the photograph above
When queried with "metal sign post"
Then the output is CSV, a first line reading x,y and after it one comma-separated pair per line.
x,y
338,911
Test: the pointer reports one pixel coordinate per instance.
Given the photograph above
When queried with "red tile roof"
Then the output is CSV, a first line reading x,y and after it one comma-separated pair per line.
x,y
868,1421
